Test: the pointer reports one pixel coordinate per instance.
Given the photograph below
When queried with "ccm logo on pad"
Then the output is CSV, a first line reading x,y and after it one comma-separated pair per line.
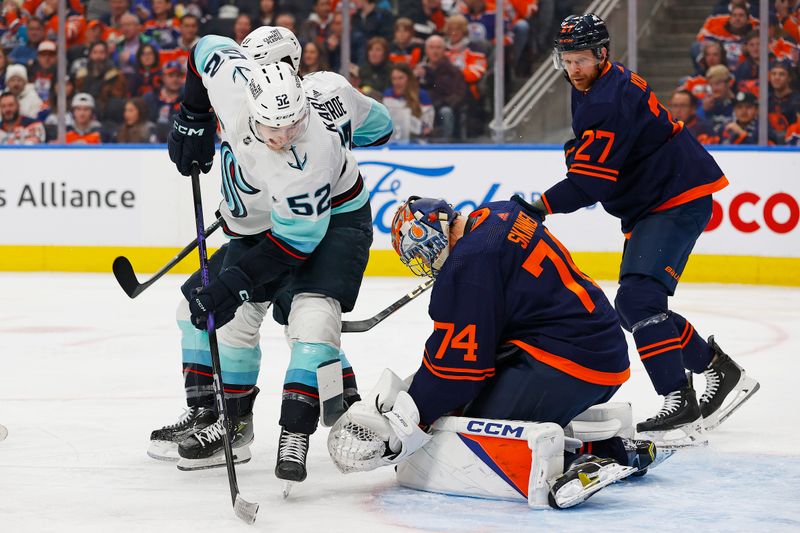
x,y
495,428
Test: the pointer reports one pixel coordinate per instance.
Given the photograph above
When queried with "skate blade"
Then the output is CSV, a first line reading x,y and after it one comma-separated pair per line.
x,y
244,510
240,456
287,488
662,454
576,492
746,387
163,450
688,436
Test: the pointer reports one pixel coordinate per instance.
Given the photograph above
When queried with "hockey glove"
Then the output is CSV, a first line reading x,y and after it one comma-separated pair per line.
x,y
222,297
406,436
192,140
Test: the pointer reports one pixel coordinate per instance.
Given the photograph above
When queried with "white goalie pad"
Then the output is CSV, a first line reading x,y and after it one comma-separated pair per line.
x,y
493,459
602,421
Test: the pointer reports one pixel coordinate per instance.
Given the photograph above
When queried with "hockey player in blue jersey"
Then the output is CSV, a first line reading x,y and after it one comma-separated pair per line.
x,y
520,333
647,170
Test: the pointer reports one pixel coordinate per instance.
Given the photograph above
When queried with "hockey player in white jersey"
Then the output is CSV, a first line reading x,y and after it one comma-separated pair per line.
x,y
360,120
299,217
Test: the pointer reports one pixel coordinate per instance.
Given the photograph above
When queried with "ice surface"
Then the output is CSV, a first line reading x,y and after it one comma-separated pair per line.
x,y
86,374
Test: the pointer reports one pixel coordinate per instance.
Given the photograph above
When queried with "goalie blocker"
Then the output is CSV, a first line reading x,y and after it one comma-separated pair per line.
x,y
485,458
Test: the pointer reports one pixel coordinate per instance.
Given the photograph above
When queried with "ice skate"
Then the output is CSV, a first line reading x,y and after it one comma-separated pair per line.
x,y
204,449
678,424
164,442
291,463
644,454
587,475
725,380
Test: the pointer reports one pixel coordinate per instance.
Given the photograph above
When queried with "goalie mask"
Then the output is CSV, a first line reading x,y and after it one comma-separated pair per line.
x,y
273,44
279,110
421,234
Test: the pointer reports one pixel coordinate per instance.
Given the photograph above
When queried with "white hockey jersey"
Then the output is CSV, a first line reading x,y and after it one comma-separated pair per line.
x,y
292,192
361,120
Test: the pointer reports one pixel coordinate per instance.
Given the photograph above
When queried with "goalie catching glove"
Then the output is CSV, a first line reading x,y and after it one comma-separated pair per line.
x,y
383,429
223,296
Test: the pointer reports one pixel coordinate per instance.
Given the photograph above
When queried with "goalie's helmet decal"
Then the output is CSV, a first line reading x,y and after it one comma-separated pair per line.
x,y
421,234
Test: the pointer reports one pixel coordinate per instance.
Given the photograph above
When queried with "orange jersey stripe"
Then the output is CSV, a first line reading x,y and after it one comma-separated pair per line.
x,y
455,378
595,167
594,174
547,204
459,370
574,369
688,336
655,344
694,194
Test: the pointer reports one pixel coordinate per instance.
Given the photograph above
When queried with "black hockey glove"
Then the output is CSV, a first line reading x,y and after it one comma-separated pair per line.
x,y
223,296
192,139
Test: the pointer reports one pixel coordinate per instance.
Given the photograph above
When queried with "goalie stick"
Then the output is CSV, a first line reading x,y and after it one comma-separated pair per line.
x,y
126,277
243,509
359,326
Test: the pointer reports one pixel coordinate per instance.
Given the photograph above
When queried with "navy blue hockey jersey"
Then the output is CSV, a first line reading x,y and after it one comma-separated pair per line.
x,y
509,281
629,154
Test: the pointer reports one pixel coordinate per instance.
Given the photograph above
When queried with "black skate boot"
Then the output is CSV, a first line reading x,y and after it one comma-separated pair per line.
x,y
585,476
291,464
643,454
164,442
724,379
204,449
678,423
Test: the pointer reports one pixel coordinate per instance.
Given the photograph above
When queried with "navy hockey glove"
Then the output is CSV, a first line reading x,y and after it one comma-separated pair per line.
x,y
223,296
192,139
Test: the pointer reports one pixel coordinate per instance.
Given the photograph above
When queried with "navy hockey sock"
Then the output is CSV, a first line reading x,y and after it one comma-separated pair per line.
x,y
659,346
696,352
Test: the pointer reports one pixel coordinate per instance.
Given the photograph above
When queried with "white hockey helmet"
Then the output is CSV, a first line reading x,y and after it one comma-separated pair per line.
x,y
278,106
273,44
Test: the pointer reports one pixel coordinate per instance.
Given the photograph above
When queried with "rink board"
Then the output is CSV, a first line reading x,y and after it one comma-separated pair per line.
x,y
75,209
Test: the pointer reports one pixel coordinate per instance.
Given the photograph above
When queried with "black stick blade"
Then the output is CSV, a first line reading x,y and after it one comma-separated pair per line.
x,y
126,277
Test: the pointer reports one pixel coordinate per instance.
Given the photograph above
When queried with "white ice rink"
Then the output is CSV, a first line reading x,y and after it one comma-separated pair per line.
x,y
86,374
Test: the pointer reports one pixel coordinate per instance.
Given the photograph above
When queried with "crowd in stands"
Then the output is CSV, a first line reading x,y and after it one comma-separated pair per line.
x,y
719,101
430,61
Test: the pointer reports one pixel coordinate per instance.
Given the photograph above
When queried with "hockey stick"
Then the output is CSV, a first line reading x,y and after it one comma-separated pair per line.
x,y
359,326
241,508
126,277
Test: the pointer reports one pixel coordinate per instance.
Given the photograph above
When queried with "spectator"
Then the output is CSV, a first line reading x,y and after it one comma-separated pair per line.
x,y
25,54
405,47
744,128
792,137
376,70
445,85
333,42
42,72
315,28
718,106
432,19
104,82
162,29
267,12
165,103
3,66
314,59
713,53
125,53
76,24
748,69
473,64
242,27
116,9
189,30
84,129
135,128
147,77
286,20
28,102
15,128
784,103
371,21
781,47
410,107
51,120
730,30
791,22
683,106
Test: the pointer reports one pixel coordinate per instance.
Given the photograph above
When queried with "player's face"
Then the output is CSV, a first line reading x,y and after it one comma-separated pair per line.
x,y
745,113
581,67
282,138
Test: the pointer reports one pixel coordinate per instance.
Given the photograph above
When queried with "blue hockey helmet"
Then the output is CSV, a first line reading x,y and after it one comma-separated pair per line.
x,y
421,234
580,32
